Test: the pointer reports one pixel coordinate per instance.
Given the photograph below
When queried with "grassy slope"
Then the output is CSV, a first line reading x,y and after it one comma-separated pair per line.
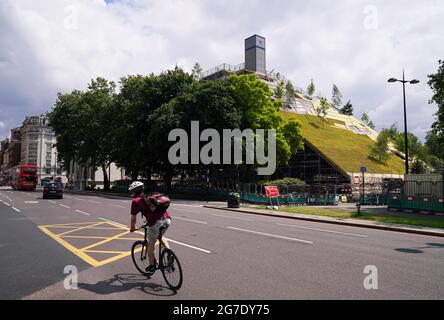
x,y
347,149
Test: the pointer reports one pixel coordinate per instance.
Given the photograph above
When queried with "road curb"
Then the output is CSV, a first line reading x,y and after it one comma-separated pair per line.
x,y
339,222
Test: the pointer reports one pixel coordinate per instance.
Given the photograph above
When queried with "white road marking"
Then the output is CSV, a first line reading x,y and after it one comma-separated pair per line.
x,y
190,220
92,201
187,205
322,230
220,215
170,240
16,209
114,205
82,212
31,202
271,235
188,211
52,201
78,199
187,245
62,205
7,204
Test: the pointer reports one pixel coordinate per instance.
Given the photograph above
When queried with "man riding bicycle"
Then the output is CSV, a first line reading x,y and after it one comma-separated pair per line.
x,y
156,220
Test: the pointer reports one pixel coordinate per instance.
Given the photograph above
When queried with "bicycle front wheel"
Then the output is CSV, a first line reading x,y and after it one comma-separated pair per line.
x,y
140,257
171,269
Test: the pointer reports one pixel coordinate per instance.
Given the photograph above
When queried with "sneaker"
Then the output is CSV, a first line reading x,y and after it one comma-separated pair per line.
x,y
150,269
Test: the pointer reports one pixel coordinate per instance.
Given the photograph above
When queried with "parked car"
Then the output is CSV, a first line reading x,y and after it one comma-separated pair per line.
x,y
53,189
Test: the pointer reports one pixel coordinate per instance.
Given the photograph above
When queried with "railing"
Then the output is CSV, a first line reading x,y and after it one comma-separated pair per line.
x,y
223,66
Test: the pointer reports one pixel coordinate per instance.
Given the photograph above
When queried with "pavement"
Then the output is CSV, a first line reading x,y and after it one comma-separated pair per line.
x,y
224,254
346,222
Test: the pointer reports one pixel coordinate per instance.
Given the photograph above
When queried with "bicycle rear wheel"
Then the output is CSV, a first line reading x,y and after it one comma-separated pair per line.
x,y
171,269
140,257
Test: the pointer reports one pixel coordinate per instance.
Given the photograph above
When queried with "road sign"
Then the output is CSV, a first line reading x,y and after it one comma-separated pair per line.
x,y
363,169
272,191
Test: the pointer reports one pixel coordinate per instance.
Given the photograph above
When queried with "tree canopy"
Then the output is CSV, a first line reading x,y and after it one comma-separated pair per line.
x,y
131,128
435,138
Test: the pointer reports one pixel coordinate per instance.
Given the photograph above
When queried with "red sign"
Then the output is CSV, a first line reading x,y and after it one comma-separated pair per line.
x,y
272,191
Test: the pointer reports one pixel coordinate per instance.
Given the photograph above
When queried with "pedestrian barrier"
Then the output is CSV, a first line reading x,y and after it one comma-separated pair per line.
x,y
429,204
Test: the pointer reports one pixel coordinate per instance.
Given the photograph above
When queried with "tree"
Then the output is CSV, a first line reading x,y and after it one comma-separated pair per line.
x,y
289,97
435,138
436,152
367,121
322,109
380,150
63,119
279,91
259,111
139,98
311,89
336,97
196,72
83,122
418,167
347,109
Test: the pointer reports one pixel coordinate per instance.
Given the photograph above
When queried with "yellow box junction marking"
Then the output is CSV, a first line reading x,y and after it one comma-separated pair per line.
x,y
83,253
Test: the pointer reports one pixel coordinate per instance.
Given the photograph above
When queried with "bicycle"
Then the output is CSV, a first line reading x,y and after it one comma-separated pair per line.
x,y
168,263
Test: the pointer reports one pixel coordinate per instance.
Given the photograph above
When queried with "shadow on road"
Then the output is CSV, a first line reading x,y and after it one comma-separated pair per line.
x,y
421,249
126,282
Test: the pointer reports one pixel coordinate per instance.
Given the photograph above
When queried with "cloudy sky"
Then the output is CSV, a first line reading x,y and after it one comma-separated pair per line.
x,y
50,46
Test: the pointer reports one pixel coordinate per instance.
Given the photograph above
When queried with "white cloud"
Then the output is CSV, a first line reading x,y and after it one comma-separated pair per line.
x,y
50,46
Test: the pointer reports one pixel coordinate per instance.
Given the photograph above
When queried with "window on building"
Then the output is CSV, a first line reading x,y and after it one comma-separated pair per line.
x,y
33,146
33,136
32,154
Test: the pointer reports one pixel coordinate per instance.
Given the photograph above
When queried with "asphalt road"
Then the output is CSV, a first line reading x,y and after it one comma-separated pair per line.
x,y
225,255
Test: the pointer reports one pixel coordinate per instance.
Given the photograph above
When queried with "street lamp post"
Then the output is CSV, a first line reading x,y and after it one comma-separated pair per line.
x,y
403,81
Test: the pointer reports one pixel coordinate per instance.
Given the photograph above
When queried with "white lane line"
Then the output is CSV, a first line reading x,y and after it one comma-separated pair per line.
x,y
62,205
82,212
7,204
68,196
114,205
92,201
16,209
187,205
31,202
191,220
271,235
170,240
191,211
52,201
220,215
78,199
322,230
188,245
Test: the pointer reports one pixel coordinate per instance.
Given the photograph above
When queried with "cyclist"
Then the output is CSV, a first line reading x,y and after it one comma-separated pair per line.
x,y
155,220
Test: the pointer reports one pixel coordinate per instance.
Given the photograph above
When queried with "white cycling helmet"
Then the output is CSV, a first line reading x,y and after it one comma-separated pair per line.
x,y
136,185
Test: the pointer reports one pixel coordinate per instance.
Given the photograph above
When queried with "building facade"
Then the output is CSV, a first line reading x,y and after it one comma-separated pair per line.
x,y
81,176
38,148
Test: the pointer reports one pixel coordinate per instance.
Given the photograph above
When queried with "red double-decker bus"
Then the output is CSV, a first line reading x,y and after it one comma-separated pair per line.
x,y
24,177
